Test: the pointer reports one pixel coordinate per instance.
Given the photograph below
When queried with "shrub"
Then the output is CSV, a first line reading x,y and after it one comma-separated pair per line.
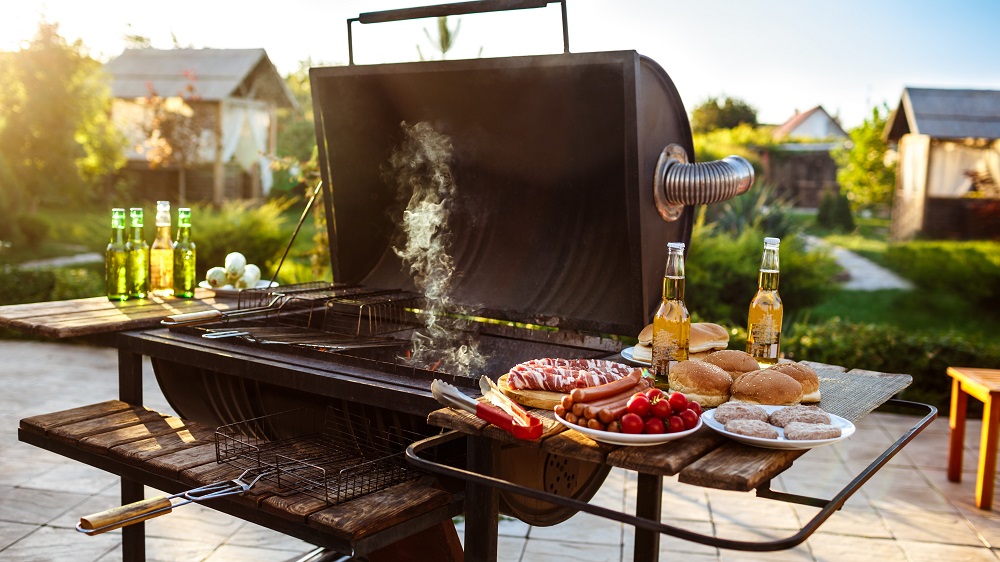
x,y
970,267
834,212
722,274
23,285
888,349
34,229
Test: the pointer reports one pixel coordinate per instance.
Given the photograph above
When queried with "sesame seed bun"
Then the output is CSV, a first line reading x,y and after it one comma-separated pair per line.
x,y
805,375
700,382
767,387
733,361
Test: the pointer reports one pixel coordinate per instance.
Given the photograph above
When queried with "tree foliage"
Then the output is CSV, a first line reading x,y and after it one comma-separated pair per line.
x,y
864,173
57,143
726,114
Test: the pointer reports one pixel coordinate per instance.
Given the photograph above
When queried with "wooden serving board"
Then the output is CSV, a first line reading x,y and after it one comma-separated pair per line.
x,y
543,399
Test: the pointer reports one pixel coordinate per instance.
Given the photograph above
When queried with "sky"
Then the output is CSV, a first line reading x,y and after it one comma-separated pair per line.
x,y
780,56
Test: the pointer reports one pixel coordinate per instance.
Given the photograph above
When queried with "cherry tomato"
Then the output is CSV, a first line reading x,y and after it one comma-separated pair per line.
x,y
654,426
689,418
661,408
678,402
695,407
631,423
676,425
638,405
653,394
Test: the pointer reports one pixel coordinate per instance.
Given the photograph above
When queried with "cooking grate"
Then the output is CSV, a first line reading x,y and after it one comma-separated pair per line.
x,y
329,455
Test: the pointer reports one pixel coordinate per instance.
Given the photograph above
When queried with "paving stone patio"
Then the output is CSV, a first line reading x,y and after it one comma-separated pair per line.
x,y
909,511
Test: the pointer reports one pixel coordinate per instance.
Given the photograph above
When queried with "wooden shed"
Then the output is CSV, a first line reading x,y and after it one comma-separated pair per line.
x,y
949,164
800,167
233,95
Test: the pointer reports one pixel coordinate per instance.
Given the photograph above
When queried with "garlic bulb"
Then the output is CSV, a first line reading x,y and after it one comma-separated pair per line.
x,y
216,277
235,264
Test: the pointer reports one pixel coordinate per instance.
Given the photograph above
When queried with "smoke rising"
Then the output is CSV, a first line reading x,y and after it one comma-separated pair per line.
x,y
421,169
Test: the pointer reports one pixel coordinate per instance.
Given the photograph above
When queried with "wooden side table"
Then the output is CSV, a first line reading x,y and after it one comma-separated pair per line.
x,y
983,385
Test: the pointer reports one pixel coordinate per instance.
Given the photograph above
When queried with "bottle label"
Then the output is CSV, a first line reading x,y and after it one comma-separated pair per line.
x,y
764,338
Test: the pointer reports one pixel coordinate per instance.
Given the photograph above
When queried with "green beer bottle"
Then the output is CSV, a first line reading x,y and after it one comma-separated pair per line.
x,y
185,276
137,264
115,258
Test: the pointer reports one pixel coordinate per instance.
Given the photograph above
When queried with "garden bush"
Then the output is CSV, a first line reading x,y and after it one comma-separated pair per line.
x,y
834,212
722,274
970,267
19,286
34,229
258,232
877,347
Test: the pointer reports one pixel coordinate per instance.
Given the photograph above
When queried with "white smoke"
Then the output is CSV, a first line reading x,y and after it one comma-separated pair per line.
x,y
421,168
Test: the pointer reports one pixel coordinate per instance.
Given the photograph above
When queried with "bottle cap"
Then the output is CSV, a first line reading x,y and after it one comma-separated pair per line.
x,y
772,241
135,213
183,216
676,246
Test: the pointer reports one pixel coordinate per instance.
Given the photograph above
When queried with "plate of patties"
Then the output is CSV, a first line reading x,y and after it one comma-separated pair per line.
x,y
778,427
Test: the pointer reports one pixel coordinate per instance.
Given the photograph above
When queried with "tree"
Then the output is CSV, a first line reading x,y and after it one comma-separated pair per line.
x,y
57,143
864,174
712,115
174,131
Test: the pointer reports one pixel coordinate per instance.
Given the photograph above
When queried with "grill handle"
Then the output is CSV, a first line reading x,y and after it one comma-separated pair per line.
x,y
677,182
453,9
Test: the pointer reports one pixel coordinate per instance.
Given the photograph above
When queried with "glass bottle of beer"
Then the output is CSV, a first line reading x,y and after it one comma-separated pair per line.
x,y
161,253
185,276
137,264
115,258
671,324
764,323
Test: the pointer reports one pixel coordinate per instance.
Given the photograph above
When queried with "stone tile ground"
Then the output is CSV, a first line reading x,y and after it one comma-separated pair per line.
x,y
909,511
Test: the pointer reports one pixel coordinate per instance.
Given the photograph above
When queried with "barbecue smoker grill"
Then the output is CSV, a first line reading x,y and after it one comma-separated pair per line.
x,y
569,175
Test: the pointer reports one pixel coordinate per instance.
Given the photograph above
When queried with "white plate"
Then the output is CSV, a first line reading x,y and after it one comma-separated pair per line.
x,y
634,439
846,430
229,290
629,354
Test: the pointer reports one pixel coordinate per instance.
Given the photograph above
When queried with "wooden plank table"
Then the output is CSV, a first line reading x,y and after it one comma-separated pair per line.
x,y
704,458
98,316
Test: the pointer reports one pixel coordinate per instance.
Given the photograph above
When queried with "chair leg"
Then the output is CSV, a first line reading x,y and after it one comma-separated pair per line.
x,y
956,433
987,455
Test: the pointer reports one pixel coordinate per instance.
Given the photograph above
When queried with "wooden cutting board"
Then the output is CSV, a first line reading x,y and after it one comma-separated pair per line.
x,y
544,399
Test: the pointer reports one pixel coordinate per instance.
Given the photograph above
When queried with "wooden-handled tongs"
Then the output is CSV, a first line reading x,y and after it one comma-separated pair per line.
x,y
520,424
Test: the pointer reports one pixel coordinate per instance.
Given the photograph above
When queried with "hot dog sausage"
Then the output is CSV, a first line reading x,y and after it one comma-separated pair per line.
x,y
592,393
592,408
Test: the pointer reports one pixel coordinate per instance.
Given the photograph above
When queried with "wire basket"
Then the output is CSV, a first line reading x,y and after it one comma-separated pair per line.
x,y
327,454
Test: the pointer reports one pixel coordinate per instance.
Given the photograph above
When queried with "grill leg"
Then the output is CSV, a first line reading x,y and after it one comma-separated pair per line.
x,y
130,391
647,505
482,503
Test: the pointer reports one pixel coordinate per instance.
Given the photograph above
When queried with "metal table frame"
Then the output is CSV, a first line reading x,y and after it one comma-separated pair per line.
x,y
482,489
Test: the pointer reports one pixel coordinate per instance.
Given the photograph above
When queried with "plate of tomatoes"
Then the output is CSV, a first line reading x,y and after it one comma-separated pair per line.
x,y
652,418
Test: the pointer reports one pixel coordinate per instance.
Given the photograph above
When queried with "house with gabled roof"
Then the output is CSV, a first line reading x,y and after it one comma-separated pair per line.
x,y
233,96
948,173
799,165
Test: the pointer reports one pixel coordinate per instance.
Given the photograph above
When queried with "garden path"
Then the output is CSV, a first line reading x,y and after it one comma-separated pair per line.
x,y
864,274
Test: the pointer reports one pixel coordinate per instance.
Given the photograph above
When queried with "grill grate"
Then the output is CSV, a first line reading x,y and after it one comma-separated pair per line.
x,y
329,455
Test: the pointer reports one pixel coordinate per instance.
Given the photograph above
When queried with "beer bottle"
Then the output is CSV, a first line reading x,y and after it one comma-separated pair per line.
x,y
115,258
185,276
137,264
161,253
764,322
671,324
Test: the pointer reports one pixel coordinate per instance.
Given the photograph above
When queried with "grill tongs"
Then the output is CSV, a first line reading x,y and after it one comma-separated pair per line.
x,y
451,397
122,516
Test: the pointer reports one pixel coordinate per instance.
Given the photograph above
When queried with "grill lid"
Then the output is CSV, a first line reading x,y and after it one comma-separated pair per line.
x,y
552,219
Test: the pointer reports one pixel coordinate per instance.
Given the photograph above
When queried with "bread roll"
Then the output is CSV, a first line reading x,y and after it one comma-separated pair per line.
x,y
643,353
703,383
805,375
733,361
767,387
706,336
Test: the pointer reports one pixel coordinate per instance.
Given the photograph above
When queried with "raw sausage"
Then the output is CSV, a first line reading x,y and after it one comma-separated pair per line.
x,y
592,393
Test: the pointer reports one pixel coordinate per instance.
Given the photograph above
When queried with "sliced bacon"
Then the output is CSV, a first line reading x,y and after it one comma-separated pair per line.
x,y
563,375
